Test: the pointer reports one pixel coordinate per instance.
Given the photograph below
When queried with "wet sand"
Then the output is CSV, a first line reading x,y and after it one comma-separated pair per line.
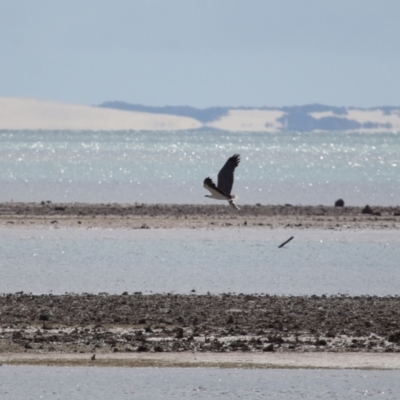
x,y
365,361
153,216
228,330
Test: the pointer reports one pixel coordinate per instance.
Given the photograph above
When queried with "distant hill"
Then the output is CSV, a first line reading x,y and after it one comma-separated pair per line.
x,y
312,117
202,115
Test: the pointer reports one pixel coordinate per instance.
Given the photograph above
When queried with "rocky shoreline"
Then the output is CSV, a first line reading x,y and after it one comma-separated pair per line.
x,y
143,216
157,323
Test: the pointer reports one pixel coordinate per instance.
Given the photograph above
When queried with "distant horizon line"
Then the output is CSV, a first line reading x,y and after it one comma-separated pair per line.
x,y
241,107
246,107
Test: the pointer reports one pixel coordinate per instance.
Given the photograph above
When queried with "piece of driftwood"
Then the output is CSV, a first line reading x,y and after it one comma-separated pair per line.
x,y
287,241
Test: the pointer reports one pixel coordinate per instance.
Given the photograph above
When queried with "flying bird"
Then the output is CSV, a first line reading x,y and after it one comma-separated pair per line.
x,y
222,191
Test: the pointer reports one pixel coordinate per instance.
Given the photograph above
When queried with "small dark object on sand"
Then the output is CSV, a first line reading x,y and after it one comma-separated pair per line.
x,y
93,357
287,241
268,347
367,210
394,337
179,333
339,203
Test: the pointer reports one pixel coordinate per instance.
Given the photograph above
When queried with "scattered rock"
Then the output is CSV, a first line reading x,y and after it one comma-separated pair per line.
x,y
339,203
175,322
179,333
394,337
268,347
367,210
196,216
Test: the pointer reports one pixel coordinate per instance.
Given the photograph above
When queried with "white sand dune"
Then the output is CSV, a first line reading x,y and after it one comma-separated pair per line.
x,y
22,113
250,120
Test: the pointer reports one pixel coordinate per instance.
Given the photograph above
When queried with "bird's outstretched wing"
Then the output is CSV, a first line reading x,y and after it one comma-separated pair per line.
x,y
225,176
212,188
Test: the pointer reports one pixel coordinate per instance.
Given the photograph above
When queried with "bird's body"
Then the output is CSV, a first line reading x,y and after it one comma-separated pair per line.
x,y
222,191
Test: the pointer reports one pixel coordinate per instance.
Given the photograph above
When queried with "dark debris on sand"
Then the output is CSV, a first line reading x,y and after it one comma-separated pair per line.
x,y
192,216
176,210
219,323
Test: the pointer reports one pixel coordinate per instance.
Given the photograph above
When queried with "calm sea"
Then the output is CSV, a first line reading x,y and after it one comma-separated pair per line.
x,y
216,261
169,167
194,383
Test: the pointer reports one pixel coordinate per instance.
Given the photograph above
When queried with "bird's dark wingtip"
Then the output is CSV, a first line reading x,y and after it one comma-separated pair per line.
x,y
235,158
209,182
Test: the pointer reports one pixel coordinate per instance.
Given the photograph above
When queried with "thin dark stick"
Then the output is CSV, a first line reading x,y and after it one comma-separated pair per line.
x,y
287,241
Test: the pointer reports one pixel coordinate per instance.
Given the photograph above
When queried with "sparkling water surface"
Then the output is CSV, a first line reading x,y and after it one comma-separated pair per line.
x,y
206,260
169,167
194,383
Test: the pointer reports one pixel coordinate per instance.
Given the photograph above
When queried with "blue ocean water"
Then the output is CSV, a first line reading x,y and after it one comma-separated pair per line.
x,y
169,167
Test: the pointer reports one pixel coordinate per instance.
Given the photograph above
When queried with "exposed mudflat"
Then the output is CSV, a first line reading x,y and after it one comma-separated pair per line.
x,y
51,325
136,216
209,323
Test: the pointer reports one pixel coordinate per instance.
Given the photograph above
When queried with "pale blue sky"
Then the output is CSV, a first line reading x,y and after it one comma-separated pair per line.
x,y
202,53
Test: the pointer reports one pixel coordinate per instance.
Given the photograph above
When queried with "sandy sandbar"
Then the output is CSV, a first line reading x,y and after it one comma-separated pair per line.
x,y
153,216
365,361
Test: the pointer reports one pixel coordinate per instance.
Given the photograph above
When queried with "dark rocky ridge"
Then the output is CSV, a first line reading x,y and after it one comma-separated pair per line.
x,y
178,210
170,322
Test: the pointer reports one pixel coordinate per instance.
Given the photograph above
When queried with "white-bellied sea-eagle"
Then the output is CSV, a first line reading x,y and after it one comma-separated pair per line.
x,y
222,191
